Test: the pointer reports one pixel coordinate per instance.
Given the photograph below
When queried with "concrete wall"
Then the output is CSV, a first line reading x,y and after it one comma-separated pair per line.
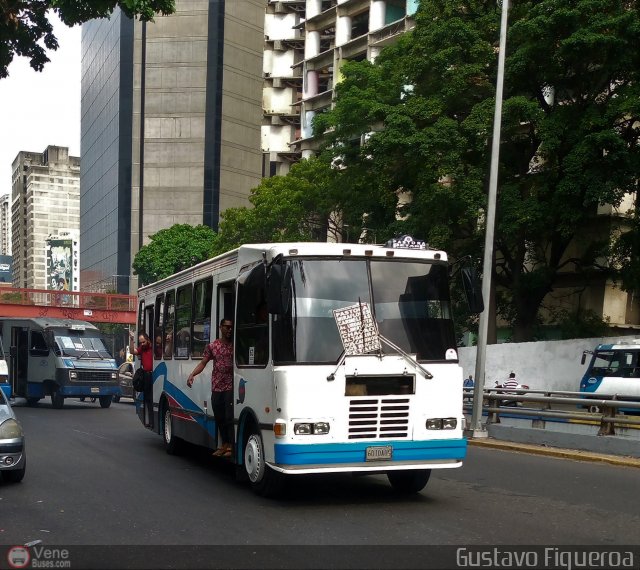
x,y
545,365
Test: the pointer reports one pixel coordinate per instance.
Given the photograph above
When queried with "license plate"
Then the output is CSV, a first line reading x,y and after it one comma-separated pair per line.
x,y
95,390
379,452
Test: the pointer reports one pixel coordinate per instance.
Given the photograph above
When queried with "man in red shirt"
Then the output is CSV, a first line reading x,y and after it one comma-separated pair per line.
x,y
221,352
145,353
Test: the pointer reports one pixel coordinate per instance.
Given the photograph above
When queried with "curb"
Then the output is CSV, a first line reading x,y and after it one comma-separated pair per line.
x,y
557,452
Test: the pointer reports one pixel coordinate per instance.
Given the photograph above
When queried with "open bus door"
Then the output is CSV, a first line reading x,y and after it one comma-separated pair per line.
x,y
19,355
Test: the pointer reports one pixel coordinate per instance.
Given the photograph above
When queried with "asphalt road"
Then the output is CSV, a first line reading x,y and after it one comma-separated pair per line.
x,y
97,477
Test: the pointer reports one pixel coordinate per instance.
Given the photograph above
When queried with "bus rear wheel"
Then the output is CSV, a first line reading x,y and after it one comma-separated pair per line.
x,y
172,444
409,482
263,480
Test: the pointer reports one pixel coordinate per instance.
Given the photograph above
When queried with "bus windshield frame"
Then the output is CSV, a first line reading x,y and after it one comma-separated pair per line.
x,y
409,300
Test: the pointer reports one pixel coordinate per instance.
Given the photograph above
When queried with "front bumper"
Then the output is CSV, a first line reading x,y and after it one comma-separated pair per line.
x,y
12,454
337,457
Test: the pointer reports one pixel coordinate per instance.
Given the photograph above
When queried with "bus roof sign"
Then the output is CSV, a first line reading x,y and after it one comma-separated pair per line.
x,y
406,242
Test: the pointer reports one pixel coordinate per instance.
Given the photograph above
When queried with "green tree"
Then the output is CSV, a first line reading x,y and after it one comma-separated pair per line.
x,y
25,29
173,249
569,138
297,207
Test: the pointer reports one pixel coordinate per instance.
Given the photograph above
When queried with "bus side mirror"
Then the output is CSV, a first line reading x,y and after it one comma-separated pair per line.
x,y
584,357
279,289
472,286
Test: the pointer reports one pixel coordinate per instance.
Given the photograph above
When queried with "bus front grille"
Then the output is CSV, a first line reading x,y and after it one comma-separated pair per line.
x,y
93,376
378,418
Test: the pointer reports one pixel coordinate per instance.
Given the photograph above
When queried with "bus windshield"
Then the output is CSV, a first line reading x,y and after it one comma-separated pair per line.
x,y
409,300
81,346
616,363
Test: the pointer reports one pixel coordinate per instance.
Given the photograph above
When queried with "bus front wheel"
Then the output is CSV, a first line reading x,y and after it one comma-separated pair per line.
x,y
409,482
57,399
263,480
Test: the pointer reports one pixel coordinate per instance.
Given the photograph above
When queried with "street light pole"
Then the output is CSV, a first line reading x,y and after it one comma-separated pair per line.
x,y
477,429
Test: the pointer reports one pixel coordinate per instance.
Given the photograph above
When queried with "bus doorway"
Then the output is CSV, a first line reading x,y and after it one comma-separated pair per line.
x,y
19,360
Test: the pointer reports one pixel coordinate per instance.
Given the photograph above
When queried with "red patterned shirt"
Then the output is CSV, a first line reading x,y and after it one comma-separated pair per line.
x,y
222,374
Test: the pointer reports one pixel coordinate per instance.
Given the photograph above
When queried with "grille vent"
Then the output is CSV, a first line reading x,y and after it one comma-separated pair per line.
x,y
93,376
378,418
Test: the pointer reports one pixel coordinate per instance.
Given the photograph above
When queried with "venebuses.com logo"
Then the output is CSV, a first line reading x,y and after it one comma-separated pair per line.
x,y
38,557
18,557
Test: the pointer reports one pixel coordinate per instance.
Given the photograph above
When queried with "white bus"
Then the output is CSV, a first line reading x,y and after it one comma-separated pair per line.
x,y
354,370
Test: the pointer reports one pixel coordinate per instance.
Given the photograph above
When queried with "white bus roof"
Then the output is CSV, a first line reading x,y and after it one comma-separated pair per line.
x,y
44,322
251,253
633,344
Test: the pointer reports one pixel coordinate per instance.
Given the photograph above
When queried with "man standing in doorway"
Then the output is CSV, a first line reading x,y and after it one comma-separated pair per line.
x,y
221,352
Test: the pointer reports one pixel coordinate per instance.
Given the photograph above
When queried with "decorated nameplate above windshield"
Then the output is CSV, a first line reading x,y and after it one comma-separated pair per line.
x,y
358,330
406,242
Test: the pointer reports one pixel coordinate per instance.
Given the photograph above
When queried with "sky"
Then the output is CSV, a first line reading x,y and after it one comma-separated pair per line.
x,y
38,109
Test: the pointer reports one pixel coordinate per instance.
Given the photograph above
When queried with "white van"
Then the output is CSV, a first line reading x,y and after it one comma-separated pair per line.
x,y
59,358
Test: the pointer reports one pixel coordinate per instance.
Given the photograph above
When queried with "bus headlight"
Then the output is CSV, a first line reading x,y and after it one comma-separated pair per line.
x,y
442,423
114,376
449,423
10,429
321,428
73,375
303,429
434,423
311,428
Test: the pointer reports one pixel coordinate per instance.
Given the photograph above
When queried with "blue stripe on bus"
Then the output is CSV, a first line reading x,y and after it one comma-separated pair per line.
x,y
331,453
186,403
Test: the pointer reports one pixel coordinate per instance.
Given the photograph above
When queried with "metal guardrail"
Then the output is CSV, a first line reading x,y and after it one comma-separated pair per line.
x,y
496,402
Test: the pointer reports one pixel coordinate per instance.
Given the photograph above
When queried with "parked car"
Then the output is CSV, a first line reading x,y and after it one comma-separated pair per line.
x,y
13,455
125,378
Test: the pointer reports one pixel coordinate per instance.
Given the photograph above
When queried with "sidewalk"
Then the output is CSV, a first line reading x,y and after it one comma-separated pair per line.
x,y
577,455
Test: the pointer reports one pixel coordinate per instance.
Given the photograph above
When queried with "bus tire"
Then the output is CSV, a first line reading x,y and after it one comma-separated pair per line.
x,y
105,401
172,444
410,481
262,479
57,399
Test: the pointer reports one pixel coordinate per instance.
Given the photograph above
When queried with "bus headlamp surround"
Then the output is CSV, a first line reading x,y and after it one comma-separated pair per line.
x,y
442,423
311,428
73,375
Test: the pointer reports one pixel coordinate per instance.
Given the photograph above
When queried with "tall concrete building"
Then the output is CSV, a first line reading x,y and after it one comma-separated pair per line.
x,y
170,132
306,43
5,224
45,202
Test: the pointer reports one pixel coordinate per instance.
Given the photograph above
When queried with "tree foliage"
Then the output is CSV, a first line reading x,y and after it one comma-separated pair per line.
x,y
173,249
25,29
296,207
569,144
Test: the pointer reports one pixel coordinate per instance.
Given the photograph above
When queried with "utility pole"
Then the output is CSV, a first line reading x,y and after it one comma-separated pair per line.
x,y
477,429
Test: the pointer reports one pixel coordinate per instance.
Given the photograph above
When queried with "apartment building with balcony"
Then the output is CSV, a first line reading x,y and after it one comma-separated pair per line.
x,y
306,43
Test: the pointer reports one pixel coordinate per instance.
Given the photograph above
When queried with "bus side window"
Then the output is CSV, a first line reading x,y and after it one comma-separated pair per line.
x,y
182,340
169,322
201,331
158,328
252,325
141,322
38,344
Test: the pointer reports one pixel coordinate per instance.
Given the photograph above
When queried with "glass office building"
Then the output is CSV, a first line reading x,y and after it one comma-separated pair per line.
x,y
171,114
